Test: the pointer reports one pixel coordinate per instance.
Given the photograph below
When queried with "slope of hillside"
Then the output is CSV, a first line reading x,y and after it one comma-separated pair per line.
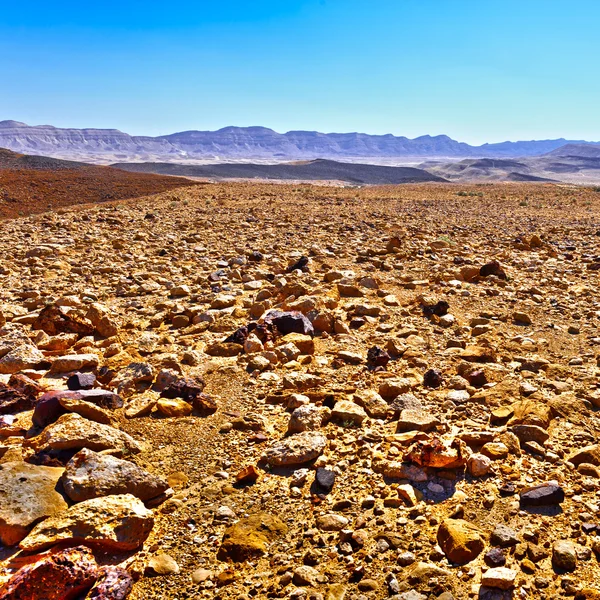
x,y
246,143
33,184
317,170
577,150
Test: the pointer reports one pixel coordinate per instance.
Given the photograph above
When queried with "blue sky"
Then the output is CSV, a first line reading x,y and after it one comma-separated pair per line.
x,y
477,70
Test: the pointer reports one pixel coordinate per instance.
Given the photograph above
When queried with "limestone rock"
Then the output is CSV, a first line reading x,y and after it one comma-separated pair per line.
x,y
346,411
296,449
416,420
73,432
499,577
27,495
91,475
116,523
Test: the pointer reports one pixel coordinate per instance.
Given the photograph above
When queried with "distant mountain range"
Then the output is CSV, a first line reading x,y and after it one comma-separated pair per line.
x,y
256,143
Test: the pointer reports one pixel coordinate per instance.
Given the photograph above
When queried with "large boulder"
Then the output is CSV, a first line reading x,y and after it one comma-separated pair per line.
x,y
92,475
73,432
117,523
27,495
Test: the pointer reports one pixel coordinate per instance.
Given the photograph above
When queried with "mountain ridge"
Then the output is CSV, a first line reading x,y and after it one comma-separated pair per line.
x,y
254,142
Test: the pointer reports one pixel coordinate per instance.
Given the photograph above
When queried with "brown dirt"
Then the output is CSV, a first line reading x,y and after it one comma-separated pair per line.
x,y
27,191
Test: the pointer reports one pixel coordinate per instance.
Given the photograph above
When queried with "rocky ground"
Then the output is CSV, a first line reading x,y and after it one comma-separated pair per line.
x,y
269,391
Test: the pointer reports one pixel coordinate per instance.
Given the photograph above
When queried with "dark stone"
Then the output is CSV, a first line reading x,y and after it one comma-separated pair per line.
x,y
507,489
476,378
439,309
495,558
376,357
543,495
255,256
433,378
186,389
114,583
102,398
299,265
13,400
239,336
589,528
81,381
289,322
324,478
492,268
48,408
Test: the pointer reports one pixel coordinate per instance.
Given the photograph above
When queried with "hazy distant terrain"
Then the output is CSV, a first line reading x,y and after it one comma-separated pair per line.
x,y
249,143
572,163
317,170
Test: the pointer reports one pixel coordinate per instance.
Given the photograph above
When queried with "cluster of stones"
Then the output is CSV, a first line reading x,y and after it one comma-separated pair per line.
x,y
400,416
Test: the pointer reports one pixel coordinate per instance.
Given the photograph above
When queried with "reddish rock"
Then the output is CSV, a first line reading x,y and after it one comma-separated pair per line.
x,y
63,575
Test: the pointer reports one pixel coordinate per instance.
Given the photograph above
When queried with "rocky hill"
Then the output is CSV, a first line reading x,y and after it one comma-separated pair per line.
x,y
33,184
244,143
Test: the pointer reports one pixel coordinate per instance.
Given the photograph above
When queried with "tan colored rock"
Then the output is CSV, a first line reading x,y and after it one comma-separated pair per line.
x,y
88,410
460,541
19,358
251,537
296,449
74,362
73,432
27,495
174,407
346,411
105,323
116,523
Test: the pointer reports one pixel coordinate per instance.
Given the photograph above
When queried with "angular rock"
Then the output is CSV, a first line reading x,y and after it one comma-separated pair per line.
x,y
61,575
13,400
460,541
296,449
416,420
346,411
56,319
500,578
545,494
91,475
27,495
74,362
289,322
116,523
73,432
250,537
114,583
21,357
81,381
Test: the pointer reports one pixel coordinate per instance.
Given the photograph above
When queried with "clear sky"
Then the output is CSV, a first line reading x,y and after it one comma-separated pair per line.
x,y
477,70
